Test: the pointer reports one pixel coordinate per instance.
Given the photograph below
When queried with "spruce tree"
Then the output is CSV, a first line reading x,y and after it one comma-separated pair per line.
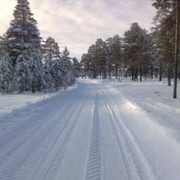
x,y
23,33
76,67
66,68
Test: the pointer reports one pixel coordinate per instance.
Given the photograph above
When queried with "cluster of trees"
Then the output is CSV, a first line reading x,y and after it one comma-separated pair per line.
x,y
138,53
117,56
29,64
164,35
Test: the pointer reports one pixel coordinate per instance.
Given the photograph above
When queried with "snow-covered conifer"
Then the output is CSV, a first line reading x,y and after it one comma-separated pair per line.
x,y
6,74
48,79
23,32
36,71
22,78
67,69
76,67
51,49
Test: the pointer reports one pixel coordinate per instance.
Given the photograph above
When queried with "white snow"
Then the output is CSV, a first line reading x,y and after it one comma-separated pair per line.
x,y
96,130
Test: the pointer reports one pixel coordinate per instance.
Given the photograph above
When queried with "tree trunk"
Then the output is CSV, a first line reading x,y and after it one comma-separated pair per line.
x,y
116,69
136,74
152,72
132,73
141,73
169,76
160,73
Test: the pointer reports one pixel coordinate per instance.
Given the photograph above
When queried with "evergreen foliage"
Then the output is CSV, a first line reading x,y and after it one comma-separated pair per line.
x,y
136,54
132,54
26,64
164,35
23,33
6,74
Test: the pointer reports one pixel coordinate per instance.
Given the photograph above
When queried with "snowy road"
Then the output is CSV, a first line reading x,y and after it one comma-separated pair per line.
x,y
92,132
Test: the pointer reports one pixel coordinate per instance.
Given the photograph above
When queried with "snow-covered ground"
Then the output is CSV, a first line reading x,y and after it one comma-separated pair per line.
x,y
97,130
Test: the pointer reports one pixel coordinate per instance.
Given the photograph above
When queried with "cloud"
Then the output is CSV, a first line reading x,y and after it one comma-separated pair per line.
x,y
77,24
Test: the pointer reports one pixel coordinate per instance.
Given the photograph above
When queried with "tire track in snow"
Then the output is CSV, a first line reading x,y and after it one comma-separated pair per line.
x,y
50,160
93,170
34,138
17,159
50,171
24,133
134,161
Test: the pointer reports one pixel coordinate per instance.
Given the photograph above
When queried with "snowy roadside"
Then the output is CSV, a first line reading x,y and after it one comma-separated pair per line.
x,y
101,129
155,99
13,102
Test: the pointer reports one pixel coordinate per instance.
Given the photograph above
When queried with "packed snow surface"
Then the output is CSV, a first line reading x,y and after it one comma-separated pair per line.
x,y
97,130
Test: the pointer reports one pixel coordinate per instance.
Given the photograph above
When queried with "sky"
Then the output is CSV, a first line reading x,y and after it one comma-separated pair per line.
x,y
77,24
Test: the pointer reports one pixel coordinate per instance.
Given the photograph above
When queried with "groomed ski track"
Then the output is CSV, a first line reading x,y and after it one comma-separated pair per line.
x,y
91,132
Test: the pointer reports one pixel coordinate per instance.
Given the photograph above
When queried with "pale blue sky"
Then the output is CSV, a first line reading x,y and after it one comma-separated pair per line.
x,y
78,23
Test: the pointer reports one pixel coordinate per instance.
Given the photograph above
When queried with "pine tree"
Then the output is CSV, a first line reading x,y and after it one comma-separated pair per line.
x,y
52,67
23,33
51,49
93,65
66,68
58,75
135,40
115,51
48,76
76,67
85,62
164,34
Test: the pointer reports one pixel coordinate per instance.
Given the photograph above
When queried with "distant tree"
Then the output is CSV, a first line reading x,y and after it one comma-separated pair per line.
x,y
115,54
86,64
101,57
135,44
52,74
93,65
66,68
51,49
76,67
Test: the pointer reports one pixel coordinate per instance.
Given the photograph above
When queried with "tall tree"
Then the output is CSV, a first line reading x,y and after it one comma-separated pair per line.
x,y
164,34
135,40
115,50
23,32
51,49
76,67
66,68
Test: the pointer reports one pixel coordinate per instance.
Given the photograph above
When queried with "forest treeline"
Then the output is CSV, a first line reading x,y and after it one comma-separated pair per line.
x,y
29,63
138,54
